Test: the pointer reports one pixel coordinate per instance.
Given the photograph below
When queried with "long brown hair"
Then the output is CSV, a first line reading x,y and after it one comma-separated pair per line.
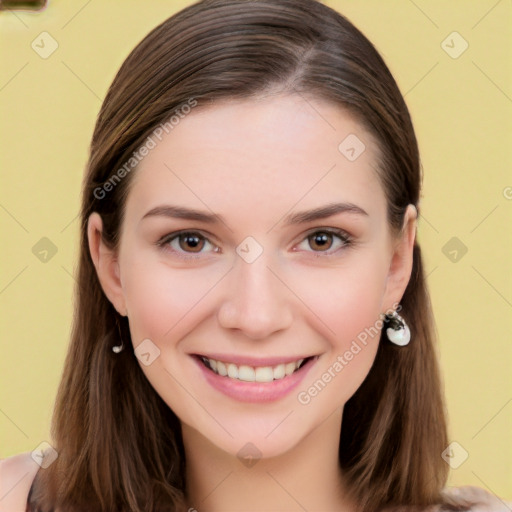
x,y
119,444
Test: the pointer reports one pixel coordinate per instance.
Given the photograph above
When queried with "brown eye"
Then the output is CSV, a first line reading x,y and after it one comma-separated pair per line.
x,y
320,241
187,245
191,242
326,242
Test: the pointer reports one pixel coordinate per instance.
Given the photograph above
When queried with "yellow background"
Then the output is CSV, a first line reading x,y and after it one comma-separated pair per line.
x,y
461,108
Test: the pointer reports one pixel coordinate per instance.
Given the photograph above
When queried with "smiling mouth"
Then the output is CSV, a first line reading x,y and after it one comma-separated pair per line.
x,y
248,373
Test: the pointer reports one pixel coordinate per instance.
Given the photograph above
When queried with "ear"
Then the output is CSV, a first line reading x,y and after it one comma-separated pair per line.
x,y
401,261
106,264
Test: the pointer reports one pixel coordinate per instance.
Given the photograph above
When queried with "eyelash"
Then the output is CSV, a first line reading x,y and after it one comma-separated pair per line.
x,y
164,242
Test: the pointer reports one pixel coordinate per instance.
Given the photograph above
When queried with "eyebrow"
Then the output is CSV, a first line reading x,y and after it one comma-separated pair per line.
x,y
323,212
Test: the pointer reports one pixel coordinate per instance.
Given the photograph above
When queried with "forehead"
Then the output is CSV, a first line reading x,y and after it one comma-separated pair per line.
x,y
260,157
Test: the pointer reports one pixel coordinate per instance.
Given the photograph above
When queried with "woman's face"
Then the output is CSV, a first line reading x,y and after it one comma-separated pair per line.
x,y
284,257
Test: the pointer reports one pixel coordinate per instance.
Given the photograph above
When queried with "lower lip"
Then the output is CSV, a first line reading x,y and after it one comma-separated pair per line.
x,y
255,391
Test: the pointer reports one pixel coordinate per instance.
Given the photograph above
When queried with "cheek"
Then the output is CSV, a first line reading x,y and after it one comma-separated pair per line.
x,y
347,304
345,300
160,299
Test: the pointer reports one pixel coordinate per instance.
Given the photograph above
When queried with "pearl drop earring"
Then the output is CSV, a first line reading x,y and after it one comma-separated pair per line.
x,y
398,331
118,348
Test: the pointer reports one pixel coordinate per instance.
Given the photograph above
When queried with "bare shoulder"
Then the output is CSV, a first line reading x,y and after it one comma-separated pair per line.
x,y
480,499
16,476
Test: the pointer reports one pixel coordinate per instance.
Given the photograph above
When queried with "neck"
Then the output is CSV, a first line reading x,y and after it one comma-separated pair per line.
x,y
307,477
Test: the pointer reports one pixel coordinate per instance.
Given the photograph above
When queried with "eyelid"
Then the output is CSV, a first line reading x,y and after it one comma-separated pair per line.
x,y
325,229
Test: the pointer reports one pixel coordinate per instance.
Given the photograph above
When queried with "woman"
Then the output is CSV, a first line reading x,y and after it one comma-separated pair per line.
x,y
253,329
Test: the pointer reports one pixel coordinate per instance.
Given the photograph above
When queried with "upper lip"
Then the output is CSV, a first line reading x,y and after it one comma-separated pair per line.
x,y
253,361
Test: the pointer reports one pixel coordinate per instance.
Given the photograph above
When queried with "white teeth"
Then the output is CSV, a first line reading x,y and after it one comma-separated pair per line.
x,y
289,368
233,371
246,373
279,371
221,369
253,374
264,374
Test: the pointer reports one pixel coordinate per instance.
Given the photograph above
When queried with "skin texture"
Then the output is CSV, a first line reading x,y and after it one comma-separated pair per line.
x,y
254,162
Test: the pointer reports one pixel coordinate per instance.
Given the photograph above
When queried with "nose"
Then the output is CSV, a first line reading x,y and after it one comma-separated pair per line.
x,y
257,301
